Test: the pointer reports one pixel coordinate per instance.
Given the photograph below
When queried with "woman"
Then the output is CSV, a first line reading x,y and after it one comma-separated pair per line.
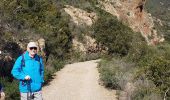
x,y
29,70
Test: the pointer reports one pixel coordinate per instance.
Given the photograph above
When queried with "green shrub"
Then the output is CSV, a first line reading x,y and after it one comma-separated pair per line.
x,y
47,75
111,33
58,64
79,56
10,88
145,90
164,49
32,19
115,73
93,56
107,74
138,49
158,70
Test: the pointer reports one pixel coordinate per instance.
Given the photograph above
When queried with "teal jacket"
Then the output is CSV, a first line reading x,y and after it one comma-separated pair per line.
x,y
34,67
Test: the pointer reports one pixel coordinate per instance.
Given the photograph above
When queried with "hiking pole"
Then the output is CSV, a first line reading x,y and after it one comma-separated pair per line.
x,y
30,96
28,88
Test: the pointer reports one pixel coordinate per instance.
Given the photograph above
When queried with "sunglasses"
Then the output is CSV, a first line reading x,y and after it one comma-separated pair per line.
x,y
35,48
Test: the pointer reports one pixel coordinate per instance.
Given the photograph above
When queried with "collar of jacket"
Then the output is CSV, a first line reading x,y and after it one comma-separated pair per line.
x,y
27,57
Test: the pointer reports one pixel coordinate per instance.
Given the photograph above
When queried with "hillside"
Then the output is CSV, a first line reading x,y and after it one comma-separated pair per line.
x,y
28,25
130,36
161,12
135,16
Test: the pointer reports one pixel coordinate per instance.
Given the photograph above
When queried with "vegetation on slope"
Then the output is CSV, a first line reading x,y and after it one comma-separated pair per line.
x,y
160,10
25,20
142,71
129,60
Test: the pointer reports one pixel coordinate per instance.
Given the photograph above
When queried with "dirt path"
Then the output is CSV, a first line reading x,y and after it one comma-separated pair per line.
x,y
78,81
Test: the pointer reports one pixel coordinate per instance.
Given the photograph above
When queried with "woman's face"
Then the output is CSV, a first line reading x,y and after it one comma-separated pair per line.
x,y
32,51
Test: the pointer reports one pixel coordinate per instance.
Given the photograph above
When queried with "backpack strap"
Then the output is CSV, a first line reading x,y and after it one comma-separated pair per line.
x,y
23,61
0,88
37,58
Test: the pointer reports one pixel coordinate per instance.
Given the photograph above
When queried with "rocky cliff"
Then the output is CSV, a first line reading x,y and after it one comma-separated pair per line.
x,y
130,12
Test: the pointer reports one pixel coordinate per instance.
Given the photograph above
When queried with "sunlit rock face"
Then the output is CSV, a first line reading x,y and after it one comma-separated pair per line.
x,y
132,12
80,16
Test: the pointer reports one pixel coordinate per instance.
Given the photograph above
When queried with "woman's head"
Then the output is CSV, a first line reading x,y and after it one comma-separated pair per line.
x,y
32,48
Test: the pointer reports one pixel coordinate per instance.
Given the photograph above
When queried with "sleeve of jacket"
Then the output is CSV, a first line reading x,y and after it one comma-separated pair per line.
x,y
17,70
42,69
